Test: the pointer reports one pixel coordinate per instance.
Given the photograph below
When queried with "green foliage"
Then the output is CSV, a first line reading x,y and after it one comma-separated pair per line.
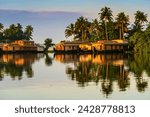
x,y
1,31
28,32
15,32
80,30
105,28
140,40
140,18
122,21
106,16
138,64
48,43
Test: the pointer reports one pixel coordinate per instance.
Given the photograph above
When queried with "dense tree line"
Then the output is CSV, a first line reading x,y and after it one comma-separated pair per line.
x,y
108,27
15,32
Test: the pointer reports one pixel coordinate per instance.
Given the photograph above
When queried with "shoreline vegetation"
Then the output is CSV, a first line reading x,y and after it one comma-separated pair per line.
x,y
109,27
117,31
15,39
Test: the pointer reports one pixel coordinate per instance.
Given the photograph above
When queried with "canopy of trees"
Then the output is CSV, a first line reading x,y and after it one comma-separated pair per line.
x,y
109,27
15,32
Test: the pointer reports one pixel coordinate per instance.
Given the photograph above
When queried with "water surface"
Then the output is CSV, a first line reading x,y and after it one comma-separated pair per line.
x,y
74,76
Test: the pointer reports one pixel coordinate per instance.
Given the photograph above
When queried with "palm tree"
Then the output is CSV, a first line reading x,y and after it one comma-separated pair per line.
x,y
1,31
28,32
1,26
140,18
19,32
122,22
105,16
82,28
70,30
10,33
96,30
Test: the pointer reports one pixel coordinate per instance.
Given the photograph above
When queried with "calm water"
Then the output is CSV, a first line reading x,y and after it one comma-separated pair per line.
x,y
68,76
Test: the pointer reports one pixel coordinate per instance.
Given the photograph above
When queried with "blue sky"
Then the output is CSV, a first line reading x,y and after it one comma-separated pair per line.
x,y
87,8
74,5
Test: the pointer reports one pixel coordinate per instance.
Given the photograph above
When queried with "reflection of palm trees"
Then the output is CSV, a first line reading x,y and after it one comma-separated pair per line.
x,y
123,81
1,71
13,70
81,73
99,72
29,71
15,65
107,88
141,84
48,60
137,65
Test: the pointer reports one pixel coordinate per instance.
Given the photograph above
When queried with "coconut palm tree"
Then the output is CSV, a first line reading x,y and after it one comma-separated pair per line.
x,y
19,32
70,30
122,22
10,33
96,30
140,18
82,27
1,26
1,31
106,16
28,32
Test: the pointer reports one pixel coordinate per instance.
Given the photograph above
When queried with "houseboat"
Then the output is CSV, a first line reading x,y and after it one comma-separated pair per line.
x,y
117,45
21,46
67,46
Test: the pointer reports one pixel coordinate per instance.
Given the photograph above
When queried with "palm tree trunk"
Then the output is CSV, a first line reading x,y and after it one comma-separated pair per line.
x,y
120,35
82,34
122,32
106,30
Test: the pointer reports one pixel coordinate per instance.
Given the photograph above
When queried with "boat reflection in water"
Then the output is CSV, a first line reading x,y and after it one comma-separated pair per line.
x,y
14,65
106,69
78,76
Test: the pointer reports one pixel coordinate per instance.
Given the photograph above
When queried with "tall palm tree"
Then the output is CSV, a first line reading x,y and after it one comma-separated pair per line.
x,y
70,30
122,22
106,16
82,28
19,32
10,33
1,26
28,32
96,29
140,18
1,31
